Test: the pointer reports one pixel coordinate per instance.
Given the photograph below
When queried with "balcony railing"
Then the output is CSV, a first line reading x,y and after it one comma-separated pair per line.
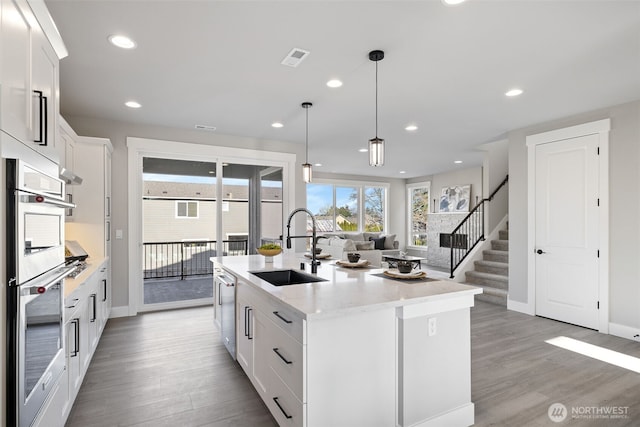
x,y
183,259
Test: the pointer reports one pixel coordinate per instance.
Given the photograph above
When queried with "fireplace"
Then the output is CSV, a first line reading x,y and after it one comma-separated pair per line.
x,y
459,241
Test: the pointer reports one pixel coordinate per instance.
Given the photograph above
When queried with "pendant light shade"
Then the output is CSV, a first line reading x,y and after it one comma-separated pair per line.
x,y
306,166
376,145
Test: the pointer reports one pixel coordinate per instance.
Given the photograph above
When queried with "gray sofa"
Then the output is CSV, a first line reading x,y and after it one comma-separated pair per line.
x,y
338,245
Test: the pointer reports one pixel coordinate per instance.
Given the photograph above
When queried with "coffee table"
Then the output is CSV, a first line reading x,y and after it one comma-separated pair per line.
x,y
393,260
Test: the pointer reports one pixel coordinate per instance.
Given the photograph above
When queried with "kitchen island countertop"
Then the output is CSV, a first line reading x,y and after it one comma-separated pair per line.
x,y
346,289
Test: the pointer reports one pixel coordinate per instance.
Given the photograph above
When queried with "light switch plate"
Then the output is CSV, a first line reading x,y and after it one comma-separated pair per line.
x,y
119,234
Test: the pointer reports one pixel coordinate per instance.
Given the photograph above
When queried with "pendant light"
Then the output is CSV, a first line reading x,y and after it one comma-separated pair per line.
x,y
306,166
376,145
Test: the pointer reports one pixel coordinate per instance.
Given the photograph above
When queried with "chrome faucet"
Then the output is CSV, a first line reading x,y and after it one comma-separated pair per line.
x,y
314,262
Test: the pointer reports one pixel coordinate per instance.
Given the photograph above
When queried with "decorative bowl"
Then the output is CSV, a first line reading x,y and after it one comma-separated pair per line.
x,y
405,266
269,252
353,257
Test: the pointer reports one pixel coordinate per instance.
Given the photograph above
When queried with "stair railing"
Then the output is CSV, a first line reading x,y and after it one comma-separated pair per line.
x,y
470,231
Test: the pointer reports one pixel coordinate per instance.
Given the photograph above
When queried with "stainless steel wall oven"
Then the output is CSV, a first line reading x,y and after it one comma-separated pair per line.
x,y
35,274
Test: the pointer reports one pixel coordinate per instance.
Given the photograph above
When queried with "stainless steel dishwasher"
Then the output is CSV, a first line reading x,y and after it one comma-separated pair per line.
x,y
226,289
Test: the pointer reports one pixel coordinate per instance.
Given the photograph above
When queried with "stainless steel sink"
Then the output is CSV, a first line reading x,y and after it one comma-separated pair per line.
x,y
286,277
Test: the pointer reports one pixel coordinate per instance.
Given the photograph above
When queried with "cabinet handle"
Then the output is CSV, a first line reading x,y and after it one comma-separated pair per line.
x,y
219,296
279,316
108,231
70,200
104,290
94,297
42,109
76,338
288,362
247,322
287,416
108,206
75,302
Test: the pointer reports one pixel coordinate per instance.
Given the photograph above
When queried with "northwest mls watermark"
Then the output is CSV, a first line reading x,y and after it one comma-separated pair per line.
x,y
558,412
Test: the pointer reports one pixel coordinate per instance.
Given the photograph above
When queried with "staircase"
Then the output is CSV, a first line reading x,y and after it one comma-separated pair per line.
x,y
492,272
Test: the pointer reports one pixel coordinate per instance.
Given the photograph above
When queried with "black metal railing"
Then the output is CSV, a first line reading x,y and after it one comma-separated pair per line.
x,y
470,231
182,259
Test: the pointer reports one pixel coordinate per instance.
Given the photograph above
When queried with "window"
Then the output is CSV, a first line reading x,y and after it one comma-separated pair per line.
x,y
186,209
346,206
418,210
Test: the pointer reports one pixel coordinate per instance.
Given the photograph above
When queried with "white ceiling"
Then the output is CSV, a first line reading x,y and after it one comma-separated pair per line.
x,y
446,69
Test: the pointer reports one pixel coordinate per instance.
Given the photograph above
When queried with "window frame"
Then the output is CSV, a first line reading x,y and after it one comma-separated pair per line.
x,y
177,216
360,185
409,190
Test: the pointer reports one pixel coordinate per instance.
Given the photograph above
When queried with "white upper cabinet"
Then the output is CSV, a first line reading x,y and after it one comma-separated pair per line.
x,y
91,224
29,75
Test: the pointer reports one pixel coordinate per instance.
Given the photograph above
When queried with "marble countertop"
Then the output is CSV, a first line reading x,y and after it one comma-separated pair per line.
x,y
346,289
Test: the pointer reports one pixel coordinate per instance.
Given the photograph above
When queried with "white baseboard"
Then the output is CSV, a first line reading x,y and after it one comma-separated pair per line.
x,y
122,311
624,331
521,307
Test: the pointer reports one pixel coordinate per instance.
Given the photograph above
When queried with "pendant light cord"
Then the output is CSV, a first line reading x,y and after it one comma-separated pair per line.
x,y
307,137
376,99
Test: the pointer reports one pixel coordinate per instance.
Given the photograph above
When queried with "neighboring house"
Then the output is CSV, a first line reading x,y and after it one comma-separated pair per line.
x,y
177,211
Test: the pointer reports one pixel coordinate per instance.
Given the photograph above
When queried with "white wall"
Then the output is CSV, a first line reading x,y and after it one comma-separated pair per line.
x,y
495,167
117,132
624,214
462,176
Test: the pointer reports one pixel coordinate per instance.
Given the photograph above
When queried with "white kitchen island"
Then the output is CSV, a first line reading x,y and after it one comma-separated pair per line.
x,y
354,350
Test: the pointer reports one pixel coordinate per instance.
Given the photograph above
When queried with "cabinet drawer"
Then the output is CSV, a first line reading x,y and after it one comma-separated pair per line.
x,y
287,359
286,409
282,316
287,320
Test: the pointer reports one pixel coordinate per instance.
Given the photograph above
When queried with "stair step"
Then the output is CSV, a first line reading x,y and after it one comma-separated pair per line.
x,y
501,245
493,267
495,255
492,295
503,234
488,279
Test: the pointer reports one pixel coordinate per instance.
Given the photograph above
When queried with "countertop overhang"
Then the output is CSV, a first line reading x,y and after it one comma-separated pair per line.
x,y
346,289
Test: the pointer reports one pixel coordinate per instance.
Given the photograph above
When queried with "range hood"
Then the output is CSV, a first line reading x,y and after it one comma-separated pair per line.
x,y
69,177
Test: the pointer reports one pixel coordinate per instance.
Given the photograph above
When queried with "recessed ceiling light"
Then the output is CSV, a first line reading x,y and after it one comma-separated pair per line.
x,y
277,125
123,42
132,104
318,164
363,150
457,162
334,83
205,127
411,128
212,172
225,164
452,2
403,171
514,92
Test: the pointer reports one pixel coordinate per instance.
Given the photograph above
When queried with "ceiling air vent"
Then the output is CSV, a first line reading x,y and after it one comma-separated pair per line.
x,y
295,57
205,127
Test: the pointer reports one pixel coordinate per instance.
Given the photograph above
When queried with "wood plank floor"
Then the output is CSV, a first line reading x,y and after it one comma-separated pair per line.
x,y
169,369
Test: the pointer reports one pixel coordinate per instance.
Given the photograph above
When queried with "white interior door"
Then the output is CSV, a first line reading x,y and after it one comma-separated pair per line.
x,y
566,230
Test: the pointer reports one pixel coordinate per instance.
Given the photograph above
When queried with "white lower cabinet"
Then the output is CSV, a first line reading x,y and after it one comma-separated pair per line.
x,y
330,371
85,315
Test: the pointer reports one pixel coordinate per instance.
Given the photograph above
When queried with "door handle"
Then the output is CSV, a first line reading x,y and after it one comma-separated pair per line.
x,y
540,252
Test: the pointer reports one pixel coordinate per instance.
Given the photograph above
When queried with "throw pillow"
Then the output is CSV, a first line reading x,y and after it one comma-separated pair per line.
x,y
389,240
356,237
377,243
364,246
